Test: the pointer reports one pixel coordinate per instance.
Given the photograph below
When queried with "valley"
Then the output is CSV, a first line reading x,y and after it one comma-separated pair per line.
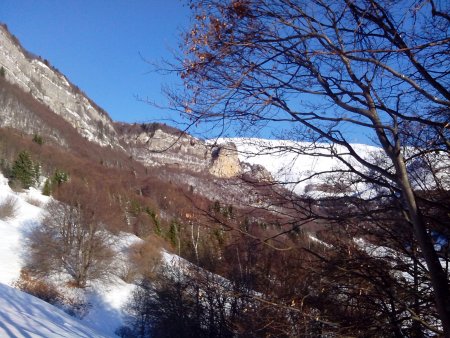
x,y
113,229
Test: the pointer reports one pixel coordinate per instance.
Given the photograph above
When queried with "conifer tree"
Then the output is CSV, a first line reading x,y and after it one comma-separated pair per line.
x,y
47,189
23,170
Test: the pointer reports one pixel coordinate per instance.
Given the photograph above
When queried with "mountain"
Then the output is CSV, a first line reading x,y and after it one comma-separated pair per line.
x,y
47,85
259,250
37,99
296,170
136,178
45,91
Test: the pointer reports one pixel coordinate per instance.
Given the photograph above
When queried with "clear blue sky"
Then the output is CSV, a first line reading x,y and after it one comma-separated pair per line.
x,y
98,45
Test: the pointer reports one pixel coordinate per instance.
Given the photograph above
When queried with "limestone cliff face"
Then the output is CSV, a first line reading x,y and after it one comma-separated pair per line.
x,y
225,161
47,85
32,92
158,145
18,111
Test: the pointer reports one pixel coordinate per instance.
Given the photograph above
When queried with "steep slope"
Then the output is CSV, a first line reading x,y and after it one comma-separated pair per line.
x,y
23,315
47,85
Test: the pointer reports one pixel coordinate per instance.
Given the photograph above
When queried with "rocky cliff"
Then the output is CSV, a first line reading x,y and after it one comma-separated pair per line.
x,y
47,85
159,145
225,161
31,91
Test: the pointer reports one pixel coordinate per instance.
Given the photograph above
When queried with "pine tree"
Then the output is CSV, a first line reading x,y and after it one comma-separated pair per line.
x,y
23,170
60,177
47,189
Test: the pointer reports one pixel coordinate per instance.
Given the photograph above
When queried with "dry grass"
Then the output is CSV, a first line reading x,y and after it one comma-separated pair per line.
x,y
8,208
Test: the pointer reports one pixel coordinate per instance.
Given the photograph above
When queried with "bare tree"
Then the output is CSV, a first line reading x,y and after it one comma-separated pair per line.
x,y
324,68
70,240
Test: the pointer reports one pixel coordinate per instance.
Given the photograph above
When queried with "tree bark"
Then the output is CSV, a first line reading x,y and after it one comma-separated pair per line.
x,y
438,277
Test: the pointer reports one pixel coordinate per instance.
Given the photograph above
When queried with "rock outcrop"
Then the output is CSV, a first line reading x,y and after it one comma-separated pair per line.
x,y
26,77
256,173
158,145
47,85
225,161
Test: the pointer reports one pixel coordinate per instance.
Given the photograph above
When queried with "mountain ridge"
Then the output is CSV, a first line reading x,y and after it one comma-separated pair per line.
x,y
154,144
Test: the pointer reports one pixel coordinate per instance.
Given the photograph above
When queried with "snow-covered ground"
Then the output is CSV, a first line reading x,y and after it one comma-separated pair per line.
x,y
12,230
22,315
299,163
294,162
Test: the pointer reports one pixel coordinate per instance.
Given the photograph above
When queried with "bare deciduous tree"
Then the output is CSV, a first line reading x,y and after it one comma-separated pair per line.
x,y
323,69
70,240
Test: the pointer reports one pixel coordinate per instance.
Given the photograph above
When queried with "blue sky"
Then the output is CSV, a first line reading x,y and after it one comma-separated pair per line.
x,y
100,45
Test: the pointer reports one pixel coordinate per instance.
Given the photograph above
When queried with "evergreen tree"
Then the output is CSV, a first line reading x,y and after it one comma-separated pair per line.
x,y
47,189
23,170
60,177
36,172
2,72
38,139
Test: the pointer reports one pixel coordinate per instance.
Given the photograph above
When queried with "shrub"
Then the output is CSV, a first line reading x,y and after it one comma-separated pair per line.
x,y
73,305
2,72
38,139
5,168
38,288
8,208
145,257
34,201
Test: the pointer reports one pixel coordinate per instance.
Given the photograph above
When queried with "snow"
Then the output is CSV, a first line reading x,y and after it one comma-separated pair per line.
x,y
23,315
293,162
315,239
12,230
107,299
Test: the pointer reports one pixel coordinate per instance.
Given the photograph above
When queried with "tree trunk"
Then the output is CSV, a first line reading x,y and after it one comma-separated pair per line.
x,y
438,277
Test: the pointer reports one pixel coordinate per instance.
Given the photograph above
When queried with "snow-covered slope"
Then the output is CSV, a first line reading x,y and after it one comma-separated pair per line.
x,y
13,229
22,315
295,162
